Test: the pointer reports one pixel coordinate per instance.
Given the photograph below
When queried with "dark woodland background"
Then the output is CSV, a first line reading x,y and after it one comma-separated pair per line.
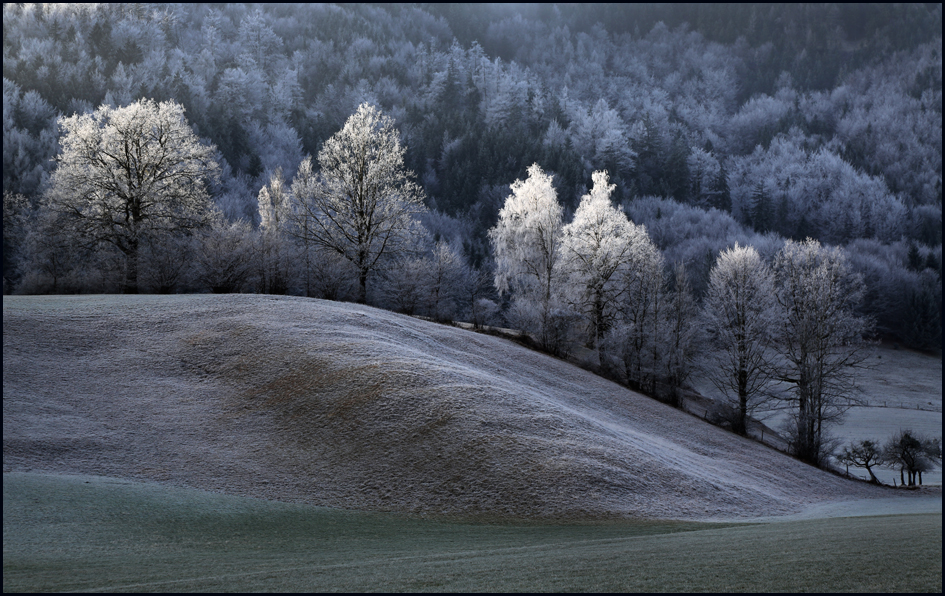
x,y
719,123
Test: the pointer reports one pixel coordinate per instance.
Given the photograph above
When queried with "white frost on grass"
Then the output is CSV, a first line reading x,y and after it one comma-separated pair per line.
x,y
926,503
348,406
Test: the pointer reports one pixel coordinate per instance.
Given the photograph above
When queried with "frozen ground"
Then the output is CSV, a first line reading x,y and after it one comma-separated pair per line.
x,y
930,501
348,406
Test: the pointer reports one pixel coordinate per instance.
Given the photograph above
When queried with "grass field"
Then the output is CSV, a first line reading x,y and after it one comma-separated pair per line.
x,y
74,533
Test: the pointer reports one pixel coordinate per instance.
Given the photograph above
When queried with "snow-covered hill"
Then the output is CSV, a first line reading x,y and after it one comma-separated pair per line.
x,y
349,406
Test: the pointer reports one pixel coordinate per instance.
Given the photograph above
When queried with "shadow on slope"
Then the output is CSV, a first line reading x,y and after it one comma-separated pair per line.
x,y
348,406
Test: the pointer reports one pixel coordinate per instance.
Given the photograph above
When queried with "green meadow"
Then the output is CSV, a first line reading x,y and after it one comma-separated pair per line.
x,y
75,533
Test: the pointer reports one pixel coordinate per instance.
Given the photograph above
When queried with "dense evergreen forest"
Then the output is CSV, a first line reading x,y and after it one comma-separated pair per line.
x,y
716,123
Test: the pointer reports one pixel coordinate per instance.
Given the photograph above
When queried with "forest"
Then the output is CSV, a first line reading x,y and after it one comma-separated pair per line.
x,y
718,126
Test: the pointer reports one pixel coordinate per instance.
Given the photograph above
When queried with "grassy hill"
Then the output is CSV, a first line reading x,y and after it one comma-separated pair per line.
x,y
392,454
351,407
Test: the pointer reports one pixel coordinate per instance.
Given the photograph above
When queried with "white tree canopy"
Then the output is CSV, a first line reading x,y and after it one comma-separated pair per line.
x,y
127,173
526,243
596,246
741,315
526,239
365,203
275,253
274,205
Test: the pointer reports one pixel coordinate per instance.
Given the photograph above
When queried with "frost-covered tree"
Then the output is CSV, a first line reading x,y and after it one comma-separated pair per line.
x,y
223,261
275,252
330,276
820,338
131,173
258,41
681,338
599,136
364,203
166,262
16,212
405,285
447,270
526,243
475,295
597,246
635,340
29,139
793,191
740,313
43,257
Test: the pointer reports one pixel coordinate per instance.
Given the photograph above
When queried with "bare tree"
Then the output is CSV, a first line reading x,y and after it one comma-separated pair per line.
x,y
127,174
475,294
820,339
363,205
46,258
634,341
681,337
330,276
224,255
166,261
863,454
446,274
914,454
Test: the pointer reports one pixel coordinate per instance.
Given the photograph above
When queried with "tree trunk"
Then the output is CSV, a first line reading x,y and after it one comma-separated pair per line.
x,y
131,270
362,291
741,419
308,272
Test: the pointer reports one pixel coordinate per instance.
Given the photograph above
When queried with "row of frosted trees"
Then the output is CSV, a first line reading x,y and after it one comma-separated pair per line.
x,y
131,188
784,333
129,209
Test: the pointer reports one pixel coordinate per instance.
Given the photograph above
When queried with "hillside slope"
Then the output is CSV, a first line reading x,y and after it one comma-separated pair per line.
x,y
348,406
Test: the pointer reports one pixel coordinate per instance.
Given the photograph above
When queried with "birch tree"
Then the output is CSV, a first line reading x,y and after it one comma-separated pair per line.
x,y
598,247
364,203
740,313
526,243
274,252
127,174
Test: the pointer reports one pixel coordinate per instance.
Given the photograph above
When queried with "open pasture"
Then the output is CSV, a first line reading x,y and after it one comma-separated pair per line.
x,y
84,533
